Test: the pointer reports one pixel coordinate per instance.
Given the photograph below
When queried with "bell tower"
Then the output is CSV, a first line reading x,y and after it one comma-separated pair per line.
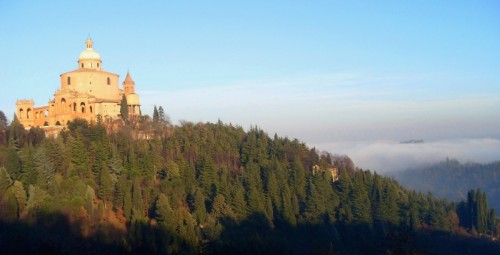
x,y
128,85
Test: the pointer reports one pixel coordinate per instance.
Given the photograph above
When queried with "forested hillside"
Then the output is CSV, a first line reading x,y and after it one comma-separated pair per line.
x,y
451,179
213,189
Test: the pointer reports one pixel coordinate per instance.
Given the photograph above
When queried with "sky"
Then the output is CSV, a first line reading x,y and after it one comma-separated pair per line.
x,y
349,77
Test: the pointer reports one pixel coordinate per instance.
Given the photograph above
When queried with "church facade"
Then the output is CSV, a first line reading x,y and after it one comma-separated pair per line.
x,y
88,92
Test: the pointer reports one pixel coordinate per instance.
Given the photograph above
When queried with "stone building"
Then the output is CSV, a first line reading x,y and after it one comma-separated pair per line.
x,y
88,92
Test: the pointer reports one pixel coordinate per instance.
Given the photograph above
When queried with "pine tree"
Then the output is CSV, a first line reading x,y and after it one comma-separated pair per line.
x,y
44,169
13,163
29,172
3,128
127,204
20,195
360,201
5,180
238,200
105,185
287,211
161,115
343,189
137,200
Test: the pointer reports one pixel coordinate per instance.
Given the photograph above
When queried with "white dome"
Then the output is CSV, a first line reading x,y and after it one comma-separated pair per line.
x,y
89,53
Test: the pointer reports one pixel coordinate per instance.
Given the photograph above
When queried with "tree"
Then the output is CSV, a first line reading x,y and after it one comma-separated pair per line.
x,y
124,108
20,195
156,115
360,201
5,180
16,134
162,117
3,128
13,163
44,169
105,185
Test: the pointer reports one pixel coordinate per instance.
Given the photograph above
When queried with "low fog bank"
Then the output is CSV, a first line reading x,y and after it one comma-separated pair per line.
x,y
387,156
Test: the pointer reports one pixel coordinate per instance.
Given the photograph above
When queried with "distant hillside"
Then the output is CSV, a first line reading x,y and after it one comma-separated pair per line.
x,y
451,179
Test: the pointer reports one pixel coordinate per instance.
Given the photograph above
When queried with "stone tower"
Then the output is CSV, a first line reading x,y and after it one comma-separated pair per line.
x,y
132,98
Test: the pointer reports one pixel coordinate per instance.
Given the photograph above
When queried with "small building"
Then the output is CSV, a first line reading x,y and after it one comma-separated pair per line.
x,y
88,92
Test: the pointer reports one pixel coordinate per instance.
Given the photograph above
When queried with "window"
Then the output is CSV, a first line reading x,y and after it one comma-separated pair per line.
x,y
82,65
63,104
109,81
97,65
69,80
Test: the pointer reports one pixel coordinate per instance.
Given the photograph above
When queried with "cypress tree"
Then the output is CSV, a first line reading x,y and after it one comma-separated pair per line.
x,y
124,108
156,116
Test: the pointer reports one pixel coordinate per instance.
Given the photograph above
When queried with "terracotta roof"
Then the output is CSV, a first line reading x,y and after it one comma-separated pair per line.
x,y
128,79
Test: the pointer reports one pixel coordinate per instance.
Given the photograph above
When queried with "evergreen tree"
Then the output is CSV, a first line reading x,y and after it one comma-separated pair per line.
x,y
5,180
161,116
127,204
105,185
124,108
3,128
156,115
20,195
360,201
137,200
44,168
16,134
13,163
29,171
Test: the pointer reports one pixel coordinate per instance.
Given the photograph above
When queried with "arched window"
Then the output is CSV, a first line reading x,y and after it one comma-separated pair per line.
x,y
69,80
21,113
109,81
28,113
97,65
82,65
46,114
90,108
63,104
74,107
82,107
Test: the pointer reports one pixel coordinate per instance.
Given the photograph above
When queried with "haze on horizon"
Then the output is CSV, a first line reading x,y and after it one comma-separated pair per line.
x,y
353,78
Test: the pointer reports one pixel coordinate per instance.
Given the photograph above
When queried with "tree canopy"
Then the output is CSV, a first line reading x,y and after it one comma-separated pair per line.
x,y
214,188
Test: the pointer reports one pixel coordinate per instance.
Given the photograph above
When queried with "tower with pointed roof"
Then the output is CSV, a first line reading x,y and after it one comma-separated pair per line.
x,y
134,107
88,92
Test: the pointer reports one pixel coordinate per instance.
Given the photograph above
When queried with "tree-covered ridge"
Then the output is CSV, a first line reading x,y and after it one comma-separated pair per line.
x,y
451,179
211,188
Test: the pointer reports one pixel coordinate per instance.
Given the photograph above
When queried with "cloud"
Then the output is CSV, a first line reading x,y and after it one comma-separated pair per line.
x,y
387,156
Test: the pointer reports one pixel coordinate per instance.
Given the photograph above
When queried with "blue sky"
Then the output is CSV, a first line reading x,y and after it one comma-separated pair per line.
x,y
320,71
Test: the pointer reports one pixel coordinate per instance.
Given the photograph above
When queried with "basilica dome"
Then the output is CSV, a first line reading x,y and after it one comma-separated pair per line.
x,y
89,52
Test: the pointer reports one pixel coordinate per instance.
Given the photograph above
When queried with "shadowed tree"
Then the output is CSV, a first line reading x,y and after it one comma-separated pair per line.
x,y
124,108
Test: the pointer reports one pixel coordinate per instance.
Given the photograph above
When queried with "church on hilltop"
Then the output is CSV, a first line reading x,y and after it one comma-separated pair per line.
x,y
88,92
